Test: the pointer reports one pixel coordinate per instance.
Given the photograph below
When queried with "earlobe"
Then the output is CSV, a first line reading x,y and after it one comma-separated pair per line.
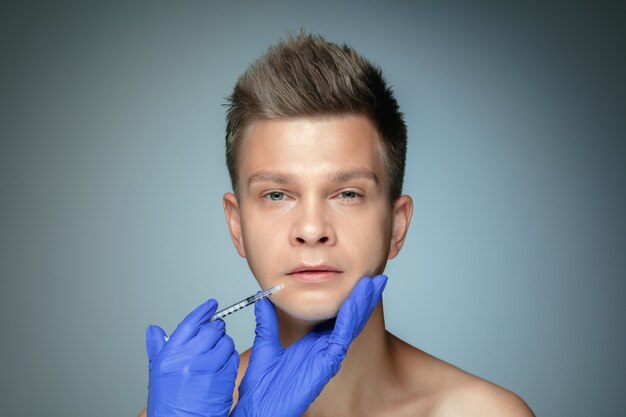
x,y
233,220
401,218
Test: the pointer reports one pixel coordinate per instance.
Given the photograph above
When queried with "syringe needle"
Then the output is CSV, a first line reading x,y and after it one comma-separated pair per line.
x,y
246,302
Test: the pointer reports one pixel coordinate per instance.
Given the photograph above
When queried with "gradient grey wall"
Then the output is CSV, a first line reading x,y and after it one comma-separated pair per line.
x,y
112,174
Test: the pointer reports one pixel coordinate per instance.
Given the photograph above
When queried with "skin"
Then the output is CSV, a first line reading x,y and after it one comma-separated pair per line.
x,y
314,194
314,191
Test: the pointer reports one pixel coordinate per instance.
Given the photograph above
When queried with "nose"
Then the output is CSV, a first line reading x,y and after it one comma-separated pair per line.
x,y
312,226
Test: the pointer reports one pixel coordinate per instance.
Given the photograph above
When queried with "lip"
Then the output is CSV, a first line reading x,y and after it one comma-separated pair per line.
x,y
314,273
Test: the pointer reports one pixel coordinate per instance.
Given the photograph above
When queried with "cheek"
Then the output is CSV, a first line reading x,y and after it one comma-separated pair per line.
x,y
262,243
367,240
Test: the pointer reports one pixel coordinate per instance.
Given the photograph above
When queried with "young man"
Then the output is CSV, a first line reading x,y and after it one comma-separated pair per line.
x,y
316,150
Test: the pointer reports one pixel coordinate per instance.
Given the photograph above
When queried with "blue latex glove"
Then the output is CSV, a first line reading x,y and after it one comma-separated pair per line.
x,y
283,382
193,373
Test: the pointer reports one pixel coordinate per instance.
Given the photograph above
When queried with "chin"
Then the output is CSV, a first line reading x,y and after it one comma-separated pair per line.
x,y
311,312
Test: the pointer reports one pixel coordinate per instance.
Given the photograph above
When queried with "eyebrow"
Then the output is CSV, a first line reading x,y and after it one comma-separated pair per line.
x,y
343,176
270,176
339,176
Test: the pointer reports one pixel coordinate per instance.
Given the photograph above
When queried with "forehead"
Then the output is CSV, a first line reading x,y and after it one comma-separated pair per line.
x,y
307,146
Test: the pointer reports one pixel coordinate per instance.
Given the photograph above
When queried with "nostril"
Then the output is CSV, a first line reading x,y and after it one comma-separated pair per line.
x,y
313,240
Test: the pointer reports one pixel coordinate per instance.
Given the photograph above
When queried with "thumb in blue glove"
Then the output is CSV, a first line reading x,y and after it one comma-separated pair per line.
x,y
155,340
284,382
193,372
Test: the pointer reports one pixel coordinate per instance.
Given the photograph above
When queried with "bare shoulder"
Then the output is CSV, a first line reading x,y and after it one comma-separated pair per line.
x,y
477,397
244,358
440,389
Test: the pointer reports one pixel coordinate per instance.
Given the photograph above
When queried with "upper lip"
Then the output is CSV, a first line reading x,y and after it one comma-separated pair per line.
x,y
313,268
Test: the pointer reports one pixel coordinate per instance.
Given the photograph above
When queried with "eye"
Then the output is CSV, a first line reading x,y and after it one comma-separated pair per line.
x,y
349,195
275,196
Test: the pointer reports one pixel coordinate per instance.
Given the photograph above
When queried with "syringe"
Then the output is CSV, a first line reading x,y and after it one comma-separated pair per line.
x,y
246,302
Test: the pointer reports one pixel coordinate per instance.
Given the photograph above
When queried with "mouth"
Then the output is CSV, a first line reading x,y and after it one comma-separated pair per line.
x,y
314,273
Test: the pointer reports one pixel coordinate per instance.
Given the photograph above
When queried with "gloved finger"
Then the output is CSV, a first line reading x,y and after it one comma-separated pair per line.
x,y
341,337
380,283
190,326
369,300
206,339
355,312
348,327
232,364
155,340
214,359
266,331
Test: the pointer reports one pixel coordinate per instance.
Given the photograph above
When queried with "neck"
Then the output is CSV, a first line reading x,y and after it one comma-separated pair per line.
x,y
367,363
292,329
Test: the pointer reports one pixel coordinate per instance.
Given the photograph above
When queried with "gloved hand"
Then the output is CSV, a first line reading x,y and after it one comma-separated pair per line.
x,y
283,382
193,373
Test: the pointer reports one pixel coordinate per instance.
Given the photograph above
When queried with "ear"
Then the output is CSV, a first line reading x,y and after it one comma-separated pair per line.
x,y
233,220
401,217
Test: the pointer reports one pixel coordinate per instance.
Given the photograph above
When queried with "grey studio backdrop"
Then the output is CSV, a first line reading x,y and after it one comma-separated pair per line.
x,y
112,173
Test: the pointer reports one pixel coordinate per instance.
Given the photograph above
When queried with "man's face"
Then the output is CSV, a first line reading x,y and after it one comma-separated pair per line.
x,y
313,210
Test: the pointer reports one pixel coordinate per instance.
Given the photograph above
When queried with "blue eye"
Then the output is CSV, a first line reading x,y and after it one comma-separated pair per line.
x,y
349,195
275,196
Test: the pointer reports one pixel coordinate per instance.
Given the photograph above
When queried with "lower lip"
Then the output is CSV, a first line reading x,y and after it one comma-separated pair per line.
x,y
314,276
